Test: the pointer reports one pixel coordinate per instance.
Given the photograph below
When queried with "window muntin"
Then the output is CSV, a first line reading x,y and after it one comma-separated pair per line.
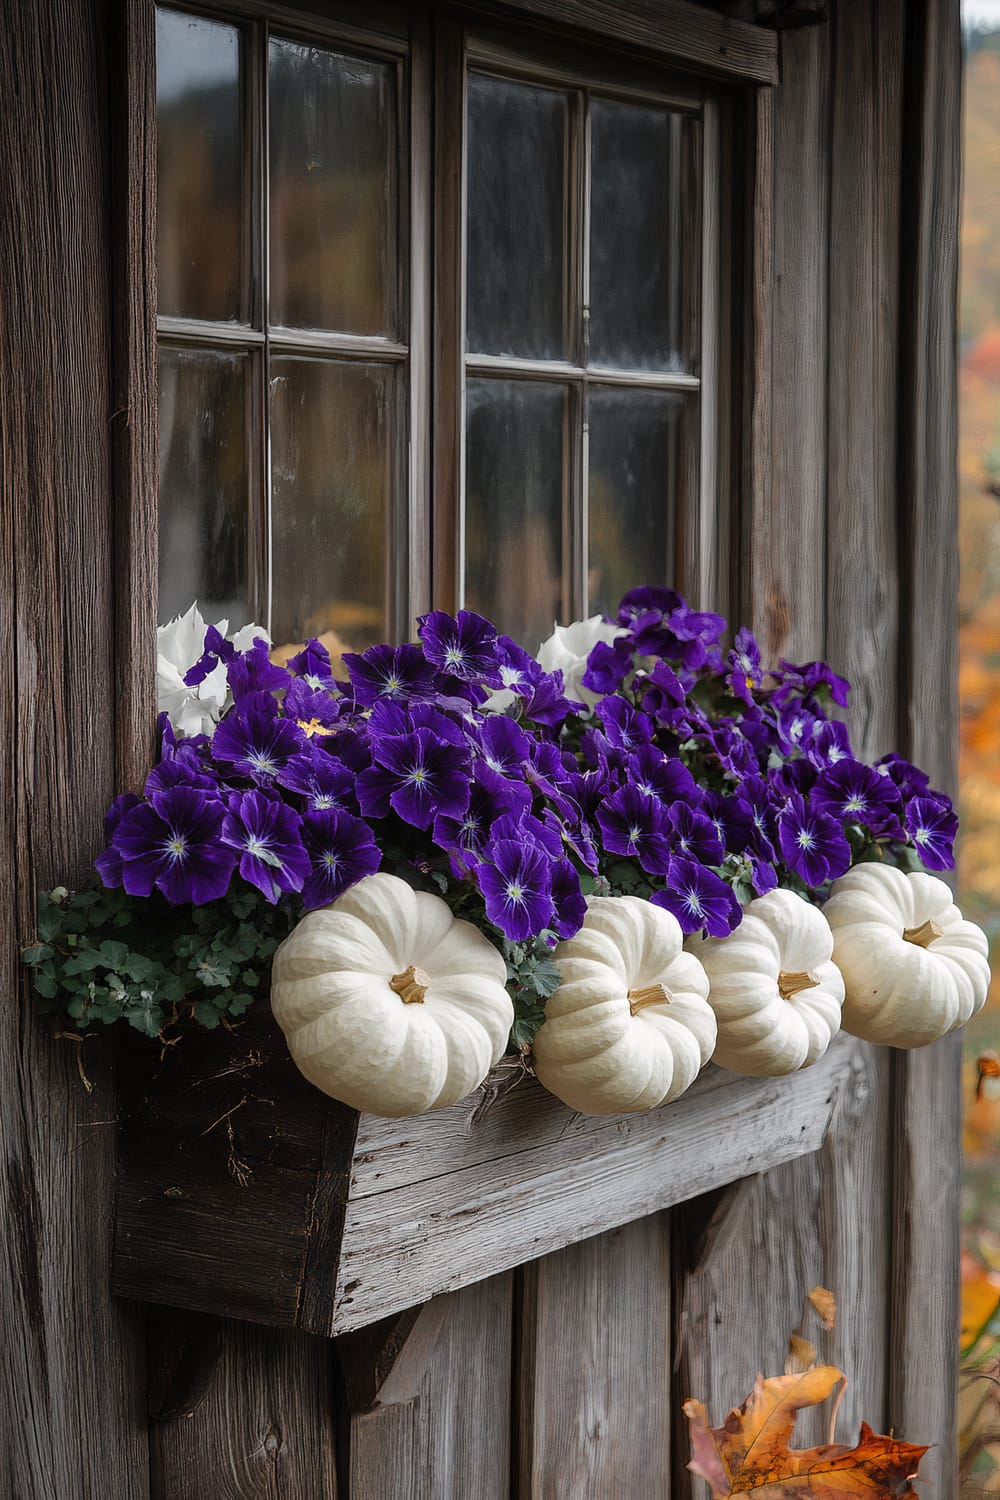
x,y
587,424
317,326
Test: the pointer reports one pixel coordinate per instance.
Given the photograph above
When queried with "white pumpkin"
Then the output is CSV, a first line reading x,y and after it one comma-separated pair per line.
x,y
913,967
389,1003
776,994
629,1026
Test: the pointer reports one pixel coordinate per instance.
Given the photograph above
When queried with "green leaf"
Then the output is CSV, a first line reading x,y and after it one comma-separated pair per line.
x,y
113,954
546,978
207,1015
36,955
46,986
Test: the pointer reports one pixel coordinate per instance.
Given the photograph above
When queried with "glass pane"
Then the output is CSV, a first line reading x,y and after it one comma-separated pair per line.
x,y
333,190
517,146
333,459
199,174
639,471
514,476
203,484
643,236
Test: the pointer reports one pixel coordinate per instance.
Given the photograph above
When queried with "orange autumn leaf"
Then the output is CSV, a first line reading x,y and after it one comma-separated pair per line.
x,y
750,1455
980,1299
825,1304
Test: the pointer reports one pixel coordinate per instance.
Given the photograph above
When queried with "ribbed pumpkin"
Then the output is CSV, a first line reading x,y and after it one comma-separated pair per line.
x,y
389,1003
629,1026
913,967
775,992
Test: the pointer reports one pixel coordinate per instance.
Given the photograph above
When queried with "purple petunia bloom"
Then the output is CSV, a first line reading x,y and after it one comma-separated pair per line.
x,y
253,671
341,851
854,793
932,825
814,679
699,899
217,649
795,727
757,795
172,843
626,727
568,899
516,883
547,835
662,691
693,836
731,818
325,783
490,799
313,709
912,782
830,743
109,862
397,673
503,746
744,666
464,646
256,741
313,665
636,826
608,664
658,775
418,775
548,704
812,842
267,836
647,600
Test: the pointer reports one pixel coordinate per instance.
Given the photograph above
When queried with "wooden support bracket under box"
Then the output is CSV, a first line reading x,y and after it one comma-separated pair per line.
x,y
246,1192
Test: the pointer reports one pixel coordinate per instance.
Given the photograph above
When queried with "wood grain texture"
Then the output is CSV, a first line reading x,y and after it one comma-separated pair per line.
x,y
440,1429
593,1378
70,1369
757,353
686,34
132,122
862,594
265,1430
927,1119
433,1235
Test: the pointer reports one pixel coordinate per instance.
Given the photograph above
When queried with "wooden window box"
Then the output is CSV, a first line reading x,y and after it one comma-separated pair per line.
x,y
246,1192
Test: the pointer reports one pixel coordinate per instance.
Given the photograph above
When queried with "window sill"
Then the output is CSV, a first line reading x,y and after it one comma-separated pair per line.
x,y
245,1192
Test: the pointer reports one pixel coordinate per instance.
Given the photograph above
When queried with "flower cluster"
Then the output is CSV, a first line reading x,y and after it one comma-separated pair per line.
x,y
661,764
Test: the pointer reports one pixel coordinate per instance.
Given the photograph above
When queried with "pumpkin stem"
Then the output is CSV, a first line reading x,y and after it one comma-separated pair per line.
x,y
925,934
652,994
411,985
789,984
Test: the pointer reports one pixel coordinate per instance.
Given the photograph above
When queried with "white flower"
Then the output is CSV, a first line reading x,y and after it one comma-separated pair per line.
x,y
567,649
179,644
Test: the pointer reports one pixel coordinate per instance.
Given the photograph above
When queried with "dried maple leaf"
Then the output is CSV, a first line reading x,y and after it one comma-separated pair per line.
x,y
750,1454
825,1304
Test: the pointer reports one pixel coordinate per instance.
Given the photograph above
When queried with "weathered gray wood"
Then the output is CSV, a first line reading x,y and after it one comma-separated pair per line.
x,y
265,1430
926,1125
762,610
435,1234
594,1368
440,1428
70,1372
686,34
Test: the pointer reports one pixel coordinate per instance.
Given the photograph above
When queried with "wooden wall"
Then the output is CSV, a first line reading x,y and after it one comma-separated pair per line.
x,y
563,1379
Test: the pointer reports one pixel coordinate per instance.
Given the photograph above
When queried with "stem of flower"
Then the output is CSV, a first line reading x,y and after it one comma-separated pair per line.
x,y
652,994
411,985
789,984
925,934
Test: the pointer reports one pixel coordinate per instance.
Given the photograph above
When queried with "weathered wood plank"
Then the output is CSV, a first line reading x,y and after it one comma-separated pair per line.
x,y
61,1331
265,1430
440,1426
432,1236
688,35
594,1368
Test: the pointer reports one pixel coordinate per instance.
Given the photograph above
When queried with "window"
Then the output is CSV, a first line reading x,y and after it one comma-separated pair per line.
x,y
321,469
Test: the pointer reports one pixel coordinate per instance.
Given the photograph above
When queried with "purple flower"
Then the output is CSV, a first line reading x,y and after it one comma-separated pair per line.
x,y
398,673
267,836
182,767
693,836
490,799
519,672
516,885
464,646
313,665
418,775
256,741
795,727
548,703
253,672
626,727
217,649
547,836
932,825
912,782
109,862
636,826
744,666
698,899
647,600
830,743
173,842
568,899
813,680
731,818
662,691
812,842
325,783
756,795
341,850
657,775
608,664
854,793
504,747
313,709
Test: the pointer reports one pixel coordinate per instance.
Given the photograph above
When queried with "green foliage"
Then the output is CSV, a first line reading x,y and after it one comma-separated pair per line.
x,y
104,956
531,978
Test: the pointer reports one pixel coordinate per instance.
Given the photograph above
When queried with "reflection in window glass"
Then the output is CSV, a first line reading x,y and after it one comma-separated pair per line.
x,y
199,174
203,484
517,194
516,439
333,456
641,252
332,190
637,475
